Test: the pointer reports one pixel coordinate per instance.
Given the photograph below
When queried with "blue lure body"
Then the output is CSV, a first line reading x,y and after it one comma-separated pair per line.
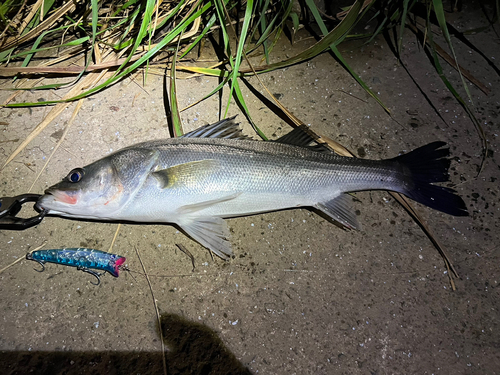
x,y
82,258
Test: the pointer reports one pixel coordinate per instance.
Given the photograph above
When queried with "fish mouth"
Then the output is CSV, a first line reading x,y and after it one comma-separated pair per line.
x,y
67,197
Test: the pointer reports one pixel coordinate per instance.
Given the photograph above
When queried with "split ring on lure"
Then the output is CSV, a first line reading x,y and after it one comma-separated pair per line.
x,y
82,258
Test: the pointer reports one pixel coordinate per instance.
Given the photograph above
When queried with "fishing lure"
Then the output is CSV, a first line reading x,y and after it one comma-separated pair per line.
x,y
82,258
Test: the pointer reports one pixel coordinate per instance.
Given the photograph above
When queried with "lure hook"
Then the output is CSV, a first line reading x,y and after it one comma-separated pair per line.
x,y
30,257
96,274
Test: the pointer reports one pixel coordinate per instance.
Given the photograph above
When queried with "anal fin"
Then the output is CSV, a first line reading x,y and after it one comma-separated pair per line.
x,y
339,209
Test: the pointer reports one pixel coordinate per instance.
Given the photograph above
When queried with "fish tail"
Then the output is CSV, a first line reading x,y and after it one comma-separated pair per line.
x,y
424,166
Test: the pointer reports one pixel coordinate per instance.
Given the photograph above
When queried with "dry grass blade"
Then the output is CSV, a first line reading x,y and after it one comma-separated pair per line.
x,y
187,252
75,112
66,70
25,84
29,17
341,150
14,19
341,15
21,258
88,81
15,41
70,52
156,310
114,238
420,221
450,60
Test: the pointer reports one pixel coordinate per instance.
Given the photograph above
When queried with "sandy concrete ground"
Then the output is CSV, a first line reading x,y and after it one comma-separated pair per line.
x,y
301,296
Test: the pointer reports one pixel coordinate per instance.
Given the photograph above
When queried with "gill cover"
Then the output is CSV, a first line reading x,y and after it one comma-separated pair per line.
x,y
101,189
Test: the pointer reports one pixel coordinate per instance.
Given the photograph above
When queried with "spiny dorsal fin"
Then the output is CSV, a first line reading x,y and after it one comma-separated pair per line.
x,y
227,128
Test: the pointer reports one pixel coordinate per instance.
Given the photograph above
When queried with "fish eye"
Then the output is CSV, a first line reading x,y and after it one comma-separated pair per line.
x,y
75,175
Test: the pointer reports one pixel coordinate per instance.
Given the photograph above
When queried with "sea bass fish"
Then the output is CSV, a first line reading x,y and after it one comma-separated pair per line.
x,y
215,172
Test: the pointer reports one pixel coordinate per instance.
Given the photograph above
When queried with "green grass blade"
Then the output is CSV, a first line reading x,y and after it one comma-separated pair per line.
x,y
130,21
462,102
67,44
4,55
214,91
381,26
44,87
439,12
333,36
143,31
221,15
33,49
402,25
338,55
233,75
219,8
275,26
239,51
174,106
263,28
241,102
153,51
95,16
128,4
295,21
203,33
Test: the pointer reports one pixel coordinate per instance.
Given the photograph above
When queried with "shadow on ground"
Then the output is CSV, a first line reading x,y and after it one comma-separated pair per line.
x,y
193,349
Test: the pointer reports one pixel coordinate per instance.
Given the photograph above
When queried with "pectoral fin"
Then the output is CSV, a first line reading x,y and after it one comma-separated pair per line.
x,y
339,209
191,208
211,232
186,174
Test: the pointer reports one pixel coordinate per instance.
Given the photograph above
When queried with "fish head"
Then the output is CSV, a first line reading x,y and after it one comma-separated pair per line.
x,y
92,192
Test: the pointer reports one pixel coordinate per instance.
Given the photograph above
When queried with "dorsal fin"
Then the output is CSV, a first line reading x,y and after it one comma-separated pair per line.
x,y
226,128
301,136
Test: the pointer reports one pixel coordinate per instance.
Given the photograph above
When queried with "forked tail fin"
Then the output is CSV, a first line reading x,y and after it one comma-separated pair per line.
x,y
422,167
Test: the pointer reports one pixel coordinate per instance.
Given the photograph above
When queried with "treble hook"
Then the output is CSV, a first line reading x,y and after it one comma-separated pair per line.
x,y
96,274
30,257
42,263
